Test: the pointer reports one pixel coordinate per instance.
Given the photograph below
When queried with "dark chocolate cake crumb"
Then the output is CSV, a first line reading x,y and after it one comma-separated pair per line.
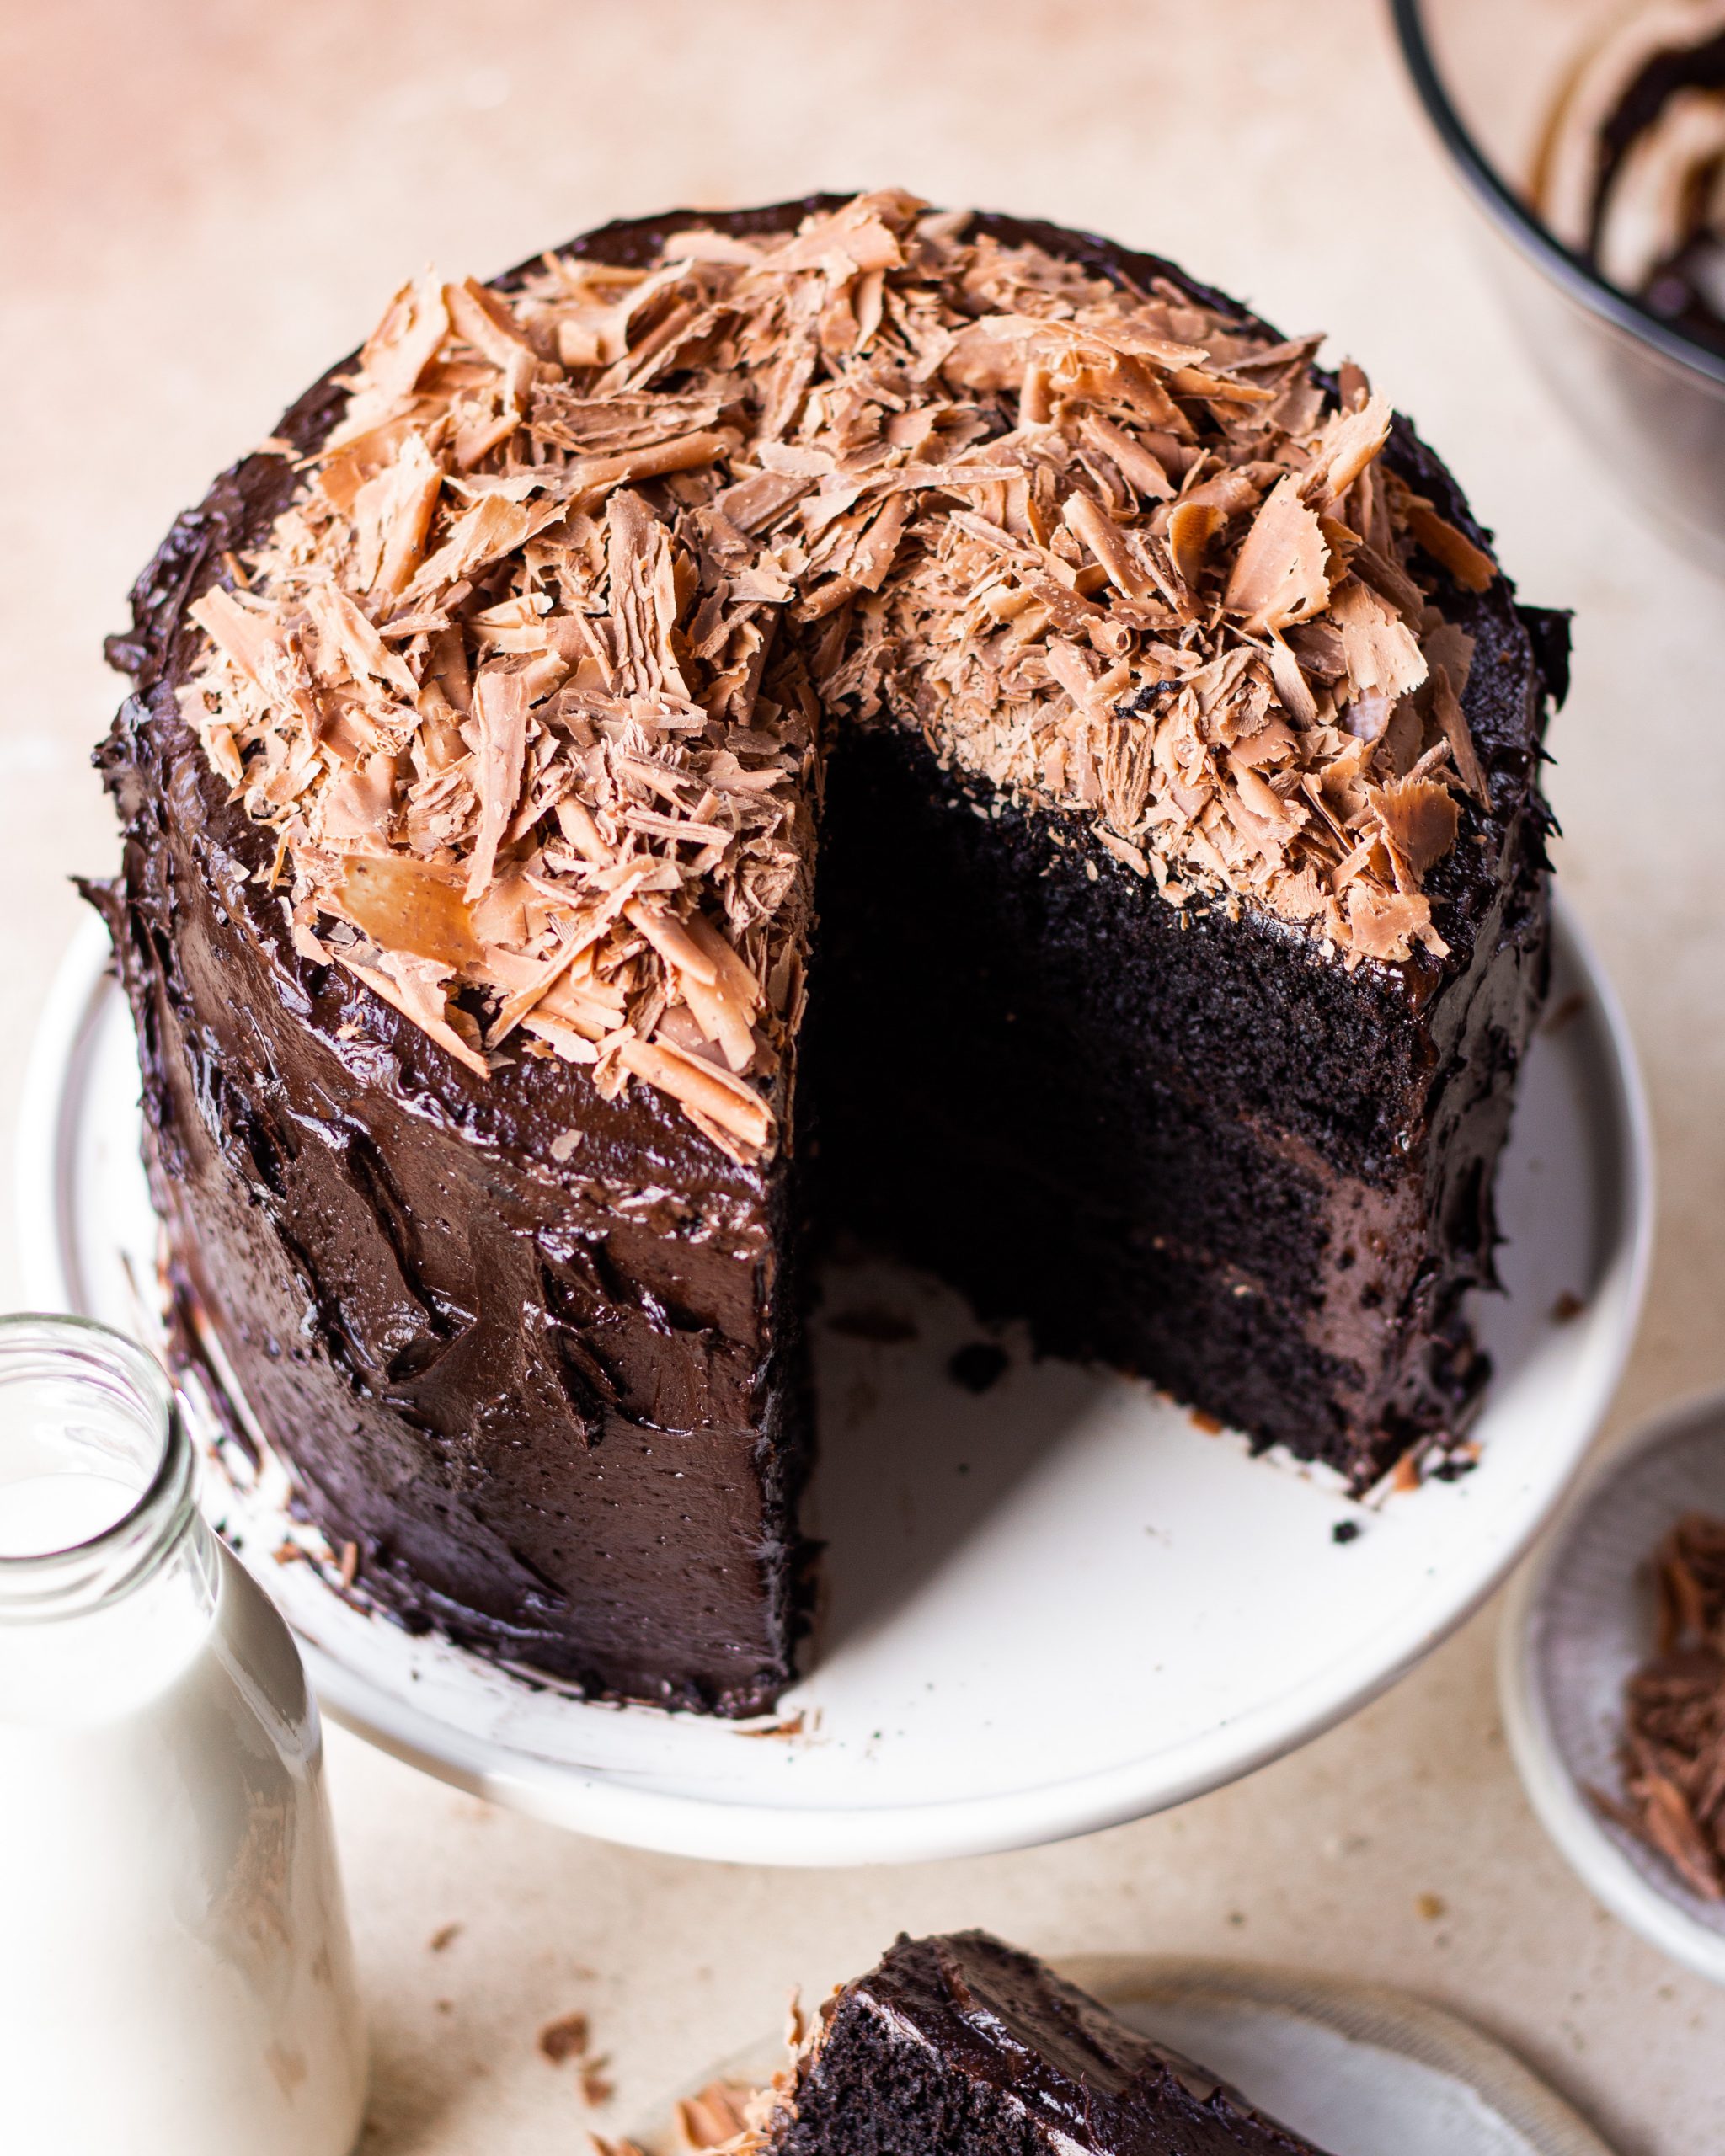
x,y
979,1365
565,2039
1562,1013
1346,1530
871,1321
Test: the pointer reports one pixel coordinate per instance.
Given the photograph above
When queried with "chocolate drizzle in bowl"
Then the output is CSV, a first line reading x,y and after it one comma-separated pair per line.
x,y
530,677
1632,172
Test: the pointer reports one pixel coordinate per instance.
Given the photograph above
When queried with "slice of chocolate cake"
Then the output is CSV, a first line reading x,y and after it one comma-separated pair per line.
x,y
843,714
958,2046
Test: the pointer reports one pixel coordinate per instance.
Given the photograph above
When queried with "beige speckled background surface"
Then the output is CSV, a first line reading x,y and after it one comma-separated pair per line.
x,y
200,204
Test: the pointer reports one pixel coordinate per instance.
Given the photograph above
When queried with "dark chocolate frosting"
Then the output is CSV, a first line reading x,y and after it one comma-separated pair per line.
x,y
555,1396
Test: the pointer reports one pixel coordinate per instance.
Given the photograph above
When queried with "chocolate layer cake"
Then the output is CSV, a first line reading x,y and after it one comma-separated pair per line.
x,y
958,2046
834,714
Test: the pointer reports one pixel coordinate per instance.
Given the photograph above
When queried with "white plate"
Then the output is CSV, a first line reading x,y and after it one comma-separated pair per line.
x,y
1580,1621
1357,2069
1053,1607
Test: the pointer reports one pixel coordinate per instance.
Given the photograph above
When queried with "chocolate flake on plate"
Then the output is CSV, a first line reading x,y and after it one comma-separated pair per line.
x,y
1673,1745
529,677
979,1365
715,2117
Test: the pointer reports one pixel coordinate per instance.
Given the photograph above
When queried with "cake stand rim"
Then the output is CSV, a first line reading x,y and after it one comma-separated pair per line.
x,y
613,1806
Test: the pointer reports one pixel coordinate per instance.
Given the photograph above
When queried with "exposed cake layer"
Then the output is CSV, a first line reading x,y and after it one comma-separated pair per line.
x,y
1184,1142
1095,1137
958,2046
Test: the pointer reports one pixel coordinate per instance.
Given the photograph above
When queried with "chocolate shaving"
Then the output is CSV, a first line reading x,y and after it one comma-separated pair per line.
x,y
564,2039
713,2117
1278,573
1447,709
1417,817
527,679
1470,566
1674,1744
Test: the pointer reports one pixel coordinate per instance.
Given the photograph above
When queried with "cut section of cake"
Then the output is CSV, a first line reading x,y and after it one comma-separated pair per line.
x,y
958,2046
840,715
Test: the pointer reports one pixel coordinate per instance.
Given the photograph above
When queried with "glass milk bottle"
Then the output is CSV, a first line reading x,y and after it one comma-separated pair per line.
x,y
176,1974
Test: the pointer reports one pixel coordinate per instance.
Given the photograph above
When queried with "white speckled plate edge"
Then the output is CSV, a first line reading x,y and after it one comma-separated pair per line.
x,y
692,1787
1359,2069
1579,1619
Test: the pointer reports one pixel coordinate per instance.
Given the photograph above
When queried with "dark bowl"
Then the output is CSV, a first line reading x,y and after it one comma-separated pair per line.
x,y
1649,399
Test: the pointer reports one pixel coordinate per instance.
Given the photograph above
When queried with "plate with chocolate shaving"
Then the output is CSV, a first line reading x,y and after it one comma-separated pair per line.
x,y
950,2040
1613,1679
1057,1601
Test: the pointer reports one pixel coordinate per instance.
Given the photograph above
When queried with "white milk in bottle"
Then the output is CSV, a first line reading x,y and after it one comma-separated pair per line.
x,y
175,1973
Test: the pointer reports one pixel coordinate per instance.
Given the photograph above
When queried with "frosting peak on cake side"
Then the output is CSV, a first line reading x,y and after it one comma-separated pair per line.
x,y
529,677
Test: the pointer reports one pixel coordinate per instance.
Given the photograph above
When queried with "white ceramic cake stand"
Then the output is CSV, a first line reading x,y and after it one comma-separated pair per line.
x,y
1052,1606
1358,2068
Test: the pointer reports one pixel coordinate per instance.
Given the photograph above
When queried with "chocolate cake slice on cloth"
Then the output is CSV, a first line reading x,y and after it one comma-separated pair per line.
x,y
839,713
958,2046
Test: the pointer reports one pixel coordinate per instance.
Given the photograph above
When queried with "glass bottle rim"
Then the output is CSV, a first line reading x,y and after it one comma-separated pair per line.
x,y
94,1573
